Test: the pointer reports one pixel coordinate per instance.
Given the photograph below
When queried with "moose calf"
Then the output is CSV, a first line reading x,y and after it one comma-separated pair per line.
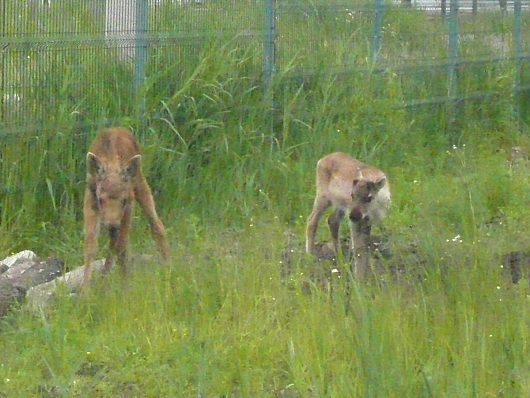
x,y
354,189
114,180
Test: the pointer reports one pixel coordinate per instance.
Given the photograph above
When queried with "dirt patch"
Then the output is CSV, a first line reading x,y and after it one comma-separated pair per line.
x,y
517,263
388,263
391,261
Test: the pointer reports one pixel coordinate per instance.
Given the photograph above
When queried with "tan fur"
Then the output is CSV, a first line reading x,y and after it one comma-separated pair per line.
x,y
354,189
114,181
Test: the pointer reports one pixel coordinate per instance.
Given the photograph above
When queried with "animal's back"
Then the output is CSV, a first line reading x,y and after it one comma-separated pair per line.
x,y
116,144
335,174
339,163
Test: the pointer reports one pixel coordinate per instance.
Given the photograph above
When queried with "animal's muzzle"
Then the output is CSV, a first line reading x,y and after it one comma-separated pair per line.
x,y
357,215
114,230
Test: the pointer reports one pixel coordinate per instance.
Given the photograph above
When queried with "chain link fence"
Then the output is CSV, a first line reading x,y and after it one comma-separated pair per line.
x,y
69,53
57,53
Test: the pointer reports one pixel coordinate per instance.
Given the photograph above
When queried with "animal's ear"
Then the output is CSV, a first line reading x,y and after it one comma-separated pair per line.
x,y
380,183
133,166
93,164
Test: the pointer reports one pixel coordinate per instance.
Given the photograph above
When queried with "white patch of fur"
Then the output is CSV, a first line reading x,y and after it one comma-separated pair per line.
x,y
379,205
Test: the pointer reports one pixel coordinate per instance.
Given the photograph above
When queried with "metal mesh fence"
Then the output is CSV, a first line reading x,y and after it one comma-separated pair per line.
x,y
78,52
58,53
468,36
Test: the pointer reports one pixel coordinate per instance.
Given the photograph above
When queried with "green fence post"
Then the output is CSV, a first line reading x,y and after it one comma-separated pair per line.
x,y
3,66
518,50
140,53
452,83
378,26
269,47
269,56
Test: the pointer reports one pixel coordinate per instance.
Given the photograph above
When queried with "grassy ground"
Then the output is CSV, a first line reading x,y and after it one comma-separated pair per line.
x,y
241,311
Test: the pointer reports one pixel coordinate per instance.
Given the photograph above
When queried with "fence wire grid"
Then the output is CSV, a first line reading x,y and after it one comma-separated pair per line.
x,y
63,53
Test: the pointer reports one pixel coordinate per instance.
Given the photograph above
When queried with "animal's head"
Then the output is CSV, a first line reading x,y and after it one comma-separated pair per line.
x,y
363,193
113,191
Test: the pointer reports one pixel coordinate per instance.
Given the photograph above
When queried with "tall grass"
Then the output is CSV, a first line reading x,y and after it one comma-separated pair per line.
x,y
226,320
241,311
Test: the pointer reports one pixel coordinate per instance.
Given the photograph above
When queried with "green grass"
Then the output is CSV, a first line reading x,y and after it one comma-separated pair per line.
x,y
223,320
241,311
227,317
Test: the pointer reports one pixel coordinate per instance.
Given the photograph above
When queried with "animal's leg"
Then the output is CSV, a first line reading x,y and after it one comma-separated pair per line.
x,y
91,228
145,199
361,232
334,226
320,205
123,238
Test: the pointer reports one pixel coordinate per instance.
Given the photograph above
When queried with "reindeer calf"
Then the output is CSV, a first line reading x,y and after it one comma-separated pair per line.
x,y
114,181
354,189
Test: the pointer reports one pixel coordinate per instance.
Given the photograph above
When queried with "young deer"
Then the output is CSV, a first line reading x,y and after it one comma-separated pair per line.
x,y
114,181
354,189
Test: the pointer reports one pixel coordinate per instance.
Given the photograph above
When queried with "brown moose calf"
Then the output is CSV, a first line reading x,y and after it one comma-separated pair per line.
x,y
356,190
114,181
